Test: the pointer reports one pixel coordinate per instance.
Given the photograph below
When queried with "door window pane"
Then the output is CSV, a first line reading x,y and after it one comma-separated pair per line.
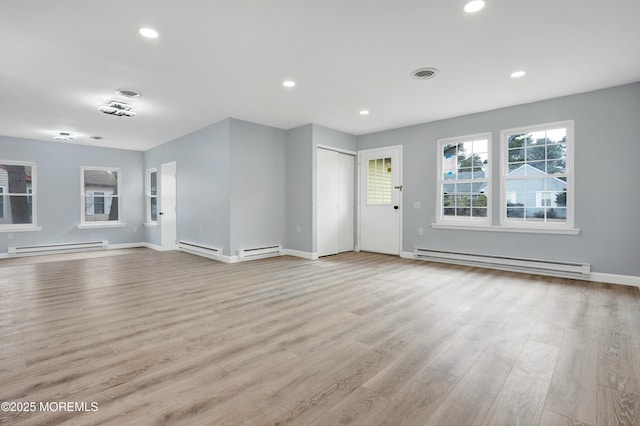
x,y
379,181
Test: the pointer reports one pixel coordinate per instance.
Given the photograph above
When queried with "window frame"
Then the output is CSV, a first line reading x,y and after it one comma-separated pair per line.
x,y
456,222
569,174
18,227
83,196
148,197
3,206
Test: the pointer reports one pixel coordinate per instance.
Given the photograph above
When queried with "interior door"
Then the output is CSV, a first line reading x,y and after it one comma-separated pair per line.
x,y
328,216
168,223
335,202
347,203
380,199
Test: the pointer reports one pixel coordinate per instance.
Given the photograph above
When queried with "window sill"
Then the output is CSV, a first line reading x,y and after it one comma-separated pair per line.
x,y
102,225
490,228
150,225
26,228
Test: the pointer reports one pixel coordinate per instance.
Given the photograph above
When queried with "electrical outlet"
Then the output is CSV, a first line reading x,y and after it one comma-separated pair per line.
x,y
420,231
298,229
417,205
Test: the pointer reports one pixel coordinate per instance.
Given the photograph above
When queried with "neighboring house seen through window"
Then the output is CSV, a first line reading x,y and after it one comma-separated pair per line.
x,y
17,195
537,176
464,180
100,194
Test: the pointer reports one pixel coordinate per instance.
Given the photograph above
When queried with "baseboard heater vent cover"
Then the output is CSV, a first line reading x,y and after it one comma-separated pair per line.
x,y
57,248
200,250
507,263
259,252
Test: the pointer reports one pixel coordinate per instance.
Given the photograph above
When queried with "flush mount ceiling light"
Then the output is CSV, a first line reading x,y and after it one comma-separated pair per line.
x,y
64,136
474,6
424,73
118,109
289,83
148,33
364,112
517,74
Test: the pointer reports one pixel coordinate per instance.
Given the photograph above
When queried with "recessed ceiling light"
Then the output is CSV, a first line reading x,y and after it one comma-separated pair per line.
x,y
517,74
64,136
289,83
474,6
148,33
364,112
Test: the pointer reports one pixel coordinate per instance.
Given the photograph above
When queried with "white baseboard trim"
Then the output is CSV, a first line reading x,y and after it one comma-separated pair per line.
x,y
152,246
628,280
125,245
4,255
407,255
302,254
615,279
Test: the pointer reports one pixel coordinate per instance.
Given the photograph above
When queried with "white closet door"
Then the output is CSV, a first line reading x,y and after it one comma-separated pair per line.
x,y
328,221
335,202
347,202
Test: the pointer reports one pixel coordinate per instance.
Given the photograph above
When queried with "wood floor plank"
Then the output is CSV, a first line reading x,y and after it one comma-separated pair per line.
x,y
522,398
357,338
573,389
549,418
473,396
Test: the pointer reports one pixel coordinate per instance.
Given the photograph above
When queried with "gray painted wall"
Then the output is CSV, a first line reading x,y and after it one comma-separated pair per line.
x,y
257,185
58,191
202,172
607,194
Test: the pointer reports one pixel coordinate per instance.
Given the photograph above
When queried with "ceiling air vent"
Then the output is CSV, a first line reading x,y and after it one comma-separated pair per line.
x,y
118,109
424,73
128,93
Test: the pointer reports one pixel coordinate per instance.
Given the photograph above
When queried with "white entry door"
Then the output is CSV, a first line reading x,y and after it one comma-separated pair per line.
x,y
335,202
380,199
168,225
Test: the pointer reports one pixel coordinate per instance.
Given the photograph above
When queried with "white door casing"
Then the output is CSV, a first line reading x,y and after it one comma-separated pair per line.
x,y
380,200
168,204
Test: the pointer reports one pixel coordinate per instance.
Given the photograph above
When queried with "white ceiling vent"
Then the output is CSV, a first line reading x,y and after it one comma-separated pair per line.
x,y
117,108
424,73
128,93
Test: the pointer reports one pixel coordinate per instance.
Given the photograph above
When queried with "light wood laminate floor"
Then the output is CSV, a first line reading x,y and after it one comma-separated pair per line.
x,y
358,338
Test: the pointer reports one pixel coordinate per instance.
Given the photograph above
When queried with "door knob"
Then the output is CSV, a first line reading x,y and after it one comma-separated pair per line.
x,y
396,207
160,213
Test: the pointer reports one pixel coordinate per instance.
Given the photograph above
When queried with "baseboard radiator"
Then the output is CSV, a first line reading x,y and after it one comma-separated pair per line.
x,y
57,248
507,263
200,250
259,252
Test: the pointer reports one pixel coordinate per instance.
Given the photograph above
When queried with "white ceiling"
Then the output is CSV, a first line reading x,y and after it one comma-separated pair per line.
x,y
60,60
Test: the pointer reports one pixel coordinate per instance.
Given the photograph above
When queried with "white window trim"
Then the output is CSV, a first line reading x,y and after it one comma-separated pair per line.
x,y
25,227
103,224
147,199
462,223
499,228
533,226
4,205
